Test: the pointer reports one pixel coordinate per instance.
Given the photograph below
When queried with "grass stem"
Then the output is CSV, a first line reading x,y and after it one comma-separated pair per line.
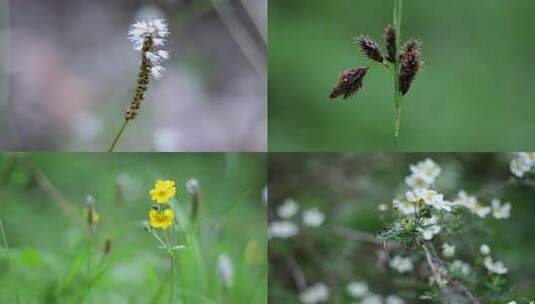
x,y
398,16
6,245
118,136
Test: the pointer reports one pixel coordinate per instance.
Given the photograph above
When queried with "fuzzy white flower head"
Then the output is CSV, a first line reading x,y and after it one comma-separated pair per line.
x,y
484,249
372,299
156,29
282,229
500,211
401,264
357,289
427,170
404,206
430,229
460,267
192,185
288,209
495,267
225,270
313,217
429,197
393,299
318,293
448,250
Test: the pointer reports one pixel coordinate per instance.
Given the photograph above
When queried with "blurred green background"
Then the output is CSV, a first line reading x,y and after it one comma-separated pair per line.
x,y
348,188
474,94
41,203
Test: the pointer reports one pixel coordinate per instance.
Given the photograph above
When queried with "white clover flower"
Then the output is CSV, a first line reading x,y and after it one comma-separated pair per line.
x,y
461,267
448,250
500,211
192,186
225,270
288,209
313,217
372,299
282,229
401,264
484,249
430,228
357,289
318,293
427,170
404,206
495,267
429,197
393,299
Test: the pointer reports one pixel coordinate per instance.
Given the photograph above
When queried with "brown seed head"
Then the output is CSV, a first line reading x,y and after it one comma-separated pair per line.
x,y
349,83
370,48
411,63
390,42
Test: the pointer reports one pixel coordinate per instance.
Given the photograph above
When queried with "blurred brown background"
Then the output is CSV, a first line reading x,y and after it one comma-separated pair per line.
x,y
71,73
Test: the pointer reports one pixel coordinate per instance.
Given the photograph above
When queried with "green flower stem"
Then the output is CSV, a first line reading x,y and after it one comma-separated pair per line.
x,y
118,136
398,14
6,245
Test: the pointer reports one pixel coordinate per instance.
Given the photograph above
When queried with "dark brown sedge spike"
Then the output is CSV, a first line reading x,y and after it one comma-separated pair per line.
x,y
411,62
390,42
370,48
349,83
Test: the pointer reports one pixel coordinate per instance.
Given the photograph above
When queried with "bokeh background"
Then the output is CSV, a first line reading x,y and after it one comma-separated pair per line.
x,y
42,201
72,72
348,189
474,94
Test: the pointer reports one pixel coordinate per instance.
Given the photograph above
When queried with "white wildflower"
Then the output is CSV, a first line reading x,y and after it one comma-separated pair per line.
x,y
460,267
382,207
448,250
401,264
156,29
192,185
416,182
372,299
429,197
431,228
496,267
484,249
282,229
147,37
318,293
427,170
500,211
393,299
357,289
522,163
404,206
313,217
225,270
472,204
288,209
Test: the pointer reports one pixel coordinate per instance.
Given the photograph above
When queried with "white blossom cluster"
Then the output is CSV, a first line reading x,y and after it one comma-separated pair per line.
x,y
421,181
286,228
158,31
402,264
318,293
361,291
522,163
496,267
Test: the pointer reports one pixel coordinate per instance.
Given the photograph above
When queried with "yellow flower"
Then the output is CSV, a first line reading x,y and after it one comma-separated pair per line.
x,y
163,191
159,219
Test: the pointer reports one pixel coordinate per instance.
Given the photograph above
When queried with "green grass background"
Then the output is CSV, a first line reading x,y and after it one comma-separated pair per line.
x,y
48,248
474,94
